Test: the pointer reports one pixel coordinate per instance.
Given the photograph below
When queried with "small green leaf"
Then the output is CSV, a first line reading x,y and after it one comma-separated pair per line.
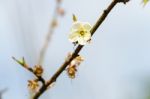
x,y
145,2
21,62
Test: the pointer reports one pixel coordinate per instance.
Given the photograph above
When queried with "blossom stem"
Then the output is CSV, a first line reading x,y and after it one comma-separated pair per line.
x,y
78,49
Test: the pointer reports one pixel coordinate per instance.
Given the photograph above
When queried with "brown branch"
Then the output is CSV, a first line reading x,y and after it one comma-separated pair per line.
x,y
23,64
40,78
78,49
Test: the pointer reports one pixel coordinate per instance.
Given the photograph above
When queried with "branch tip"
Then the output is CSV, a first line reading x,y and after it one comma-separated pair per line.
x,y
21,62
122,1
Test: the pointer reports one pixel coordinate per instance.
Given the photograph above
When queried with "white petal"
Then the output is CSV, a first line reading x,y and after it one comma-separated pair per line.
x,y
76,25
87,36
73,37
81,41
87,26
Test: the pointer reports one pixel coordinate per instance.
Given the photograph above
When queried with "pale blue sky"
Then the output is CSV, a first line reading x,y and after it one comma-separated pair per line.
x,y
116,63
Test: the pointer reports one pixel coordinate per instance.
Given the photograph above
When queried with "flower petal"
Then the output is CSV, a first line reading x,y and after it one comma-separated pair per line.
x,y
76,25
81,41
73,37
87,36
87,26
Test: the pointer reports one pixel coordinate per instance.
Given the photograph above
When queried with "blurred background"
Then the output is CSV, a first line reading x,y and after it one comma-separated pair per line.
x,y
117,62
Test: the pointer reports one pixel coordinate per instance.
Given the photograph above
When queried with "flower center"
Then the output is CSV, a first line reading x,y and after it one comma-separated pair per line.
x,y
82,33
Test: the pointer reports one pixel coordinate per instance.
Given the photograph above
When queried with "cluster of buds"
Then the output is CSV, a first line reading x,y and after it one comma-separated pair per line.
x,y
38,70
33,85
71,71
72,67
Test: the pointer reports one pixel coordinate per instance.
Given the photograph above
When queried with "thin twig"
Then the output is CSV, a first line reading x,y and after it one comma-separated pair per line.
x,y
77,50
23,64
49,34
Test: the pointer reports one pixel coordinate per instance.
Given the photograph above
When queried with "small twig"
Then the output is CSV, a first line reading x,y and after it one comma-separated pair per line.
x,y
23,64
78,49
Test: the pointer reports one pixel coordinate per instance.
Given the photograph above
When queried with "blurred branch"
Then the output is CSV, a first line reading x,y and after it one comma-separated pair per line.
x,y
53,24
77,50
38,70
2,92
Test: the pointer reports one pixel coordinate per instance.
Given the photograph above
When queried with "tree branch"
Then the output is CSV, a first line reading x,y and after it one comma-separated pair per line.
x,y
23,64
78,49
